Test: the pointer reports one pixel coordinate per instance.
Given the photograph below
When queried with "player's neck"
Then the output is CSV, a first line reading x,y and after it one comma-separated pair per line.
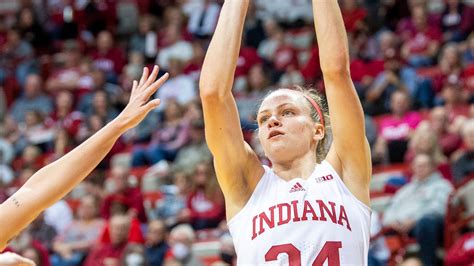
x,y
297,168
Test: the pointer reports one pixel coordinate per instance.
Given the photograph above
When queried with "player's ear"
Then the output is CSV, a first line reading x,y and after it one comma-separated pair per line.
x,y
318,131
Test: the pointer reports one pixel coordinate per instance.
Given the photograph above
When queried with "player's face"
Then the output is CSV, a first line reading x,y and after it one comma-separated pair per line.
x,y
286,129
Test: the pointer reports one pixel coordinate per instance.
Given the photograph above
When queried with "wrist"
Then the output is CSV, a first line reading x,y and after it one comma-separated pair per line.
x,y
119,125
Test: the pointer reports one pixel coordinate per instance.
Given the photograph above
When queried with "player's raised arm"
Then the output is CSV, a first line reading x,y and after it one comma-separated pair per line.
x,y
347,117
237,166
55,180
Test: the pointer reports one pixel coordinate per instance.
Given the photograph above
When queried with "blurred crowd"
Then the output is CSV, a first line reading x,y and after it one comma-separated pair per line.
x,y
66,69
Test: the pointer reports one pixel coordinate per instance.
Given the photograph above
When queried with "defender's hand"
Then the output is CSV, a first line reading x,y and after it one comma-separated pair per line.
x,y
139,106
12,259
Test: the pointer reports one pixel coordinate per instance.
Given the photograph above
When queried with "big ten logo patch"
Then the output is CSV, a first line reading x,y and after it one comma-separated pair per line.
x,y
324,178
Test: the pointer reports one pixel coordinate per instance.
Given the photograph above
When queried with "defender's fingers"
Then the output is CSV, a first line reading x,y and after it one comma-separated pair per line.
x,y
150,90
144,76
134,86
152,76
152,105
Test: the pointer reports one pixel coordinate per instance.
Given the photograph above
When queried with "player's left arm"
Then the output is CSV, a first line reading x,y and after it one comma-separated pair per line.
x,y
55,180
350,152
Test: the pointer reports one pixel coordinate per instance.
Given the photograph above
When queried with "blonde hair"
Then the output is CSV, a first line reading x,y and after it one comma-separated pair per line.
x,y
323,145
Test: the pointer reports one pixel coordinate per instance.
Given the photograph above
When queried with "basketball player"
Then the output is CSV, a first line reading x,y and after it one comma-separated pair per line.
x,y
309,208
55,180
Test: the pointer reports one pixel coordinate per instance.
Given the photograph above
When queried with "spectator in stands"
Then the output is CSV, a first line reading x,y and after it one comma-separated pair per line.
x,y
134,255
425,141
30,158
195,152
179,87
396,129
156,245
16,58
64,116
59,216
274,34
107,57
418,208
464,165
411,261
31,29
461,252
35,131
171,135
145,39
227,254
111,253
172,207
205,200
176,47
439,121
468,54
451,20
378,95
454,98
423,38
73,244
123,194
102,107
181,241
203,19
448,69
66,75
354,15
33,99
42,232
257,86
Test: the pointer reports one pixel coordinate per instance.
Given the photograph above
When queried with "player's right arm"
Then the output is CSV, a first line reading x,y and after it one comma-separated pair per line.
x,y
237,167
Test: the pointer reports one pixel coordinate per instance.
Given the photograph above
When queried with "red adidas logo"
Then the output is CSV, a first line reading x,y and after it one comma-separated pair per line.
x,y
297,187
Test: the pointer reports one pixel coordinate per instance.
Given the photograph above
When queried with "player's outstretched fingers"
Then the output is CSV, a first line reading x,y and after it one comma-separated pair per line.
x,y
144,76
151,78
150,90
152,105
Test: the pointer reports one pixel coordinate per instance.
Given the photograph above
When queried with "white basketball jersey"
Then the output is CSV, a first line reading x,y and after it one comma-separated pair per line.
x,y
316,221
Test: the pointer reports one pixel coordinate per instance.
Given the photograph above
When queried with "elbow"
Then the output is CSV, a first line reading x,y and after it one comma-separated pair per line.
x,y
210,94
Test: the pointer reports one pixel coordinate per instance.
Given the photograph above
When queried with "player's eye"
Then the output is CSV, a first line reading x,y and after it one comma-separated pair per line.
x,y
263,119
288,112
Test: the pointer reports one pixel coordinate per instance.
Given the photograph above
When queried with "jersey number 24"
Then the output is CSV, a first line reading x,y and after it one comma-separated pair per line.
x,y
329,252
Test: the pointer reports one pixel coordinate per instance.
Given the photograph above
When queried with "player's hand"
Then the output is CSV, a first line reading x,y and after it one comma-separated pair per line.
x,y
12,259
139,105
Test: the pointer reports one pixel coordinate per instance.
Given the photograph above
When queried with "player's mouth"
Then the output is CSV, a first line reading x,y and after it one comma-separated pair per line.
x,y
275,133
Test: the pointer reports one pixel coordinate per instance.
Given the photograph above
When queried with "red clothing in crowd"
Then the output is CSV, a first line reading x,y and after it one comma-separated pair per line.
x,y
361,68
353,17
419,41
105,252
247,58
312,70
130,197
462,252
110,61
202,207
71,122
135,234
284,57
